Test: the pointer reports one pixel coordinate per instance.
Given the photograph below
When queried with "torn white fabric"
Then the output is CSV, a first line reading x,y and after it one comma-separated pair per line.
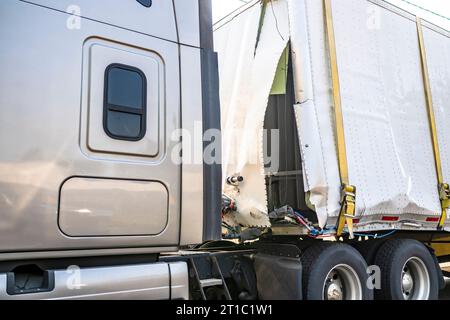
x,y
246,77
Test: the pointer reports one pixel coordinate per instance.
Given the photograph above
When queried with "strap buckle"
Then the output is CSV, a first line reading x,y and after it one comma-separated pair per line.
x,y
348,210
444,196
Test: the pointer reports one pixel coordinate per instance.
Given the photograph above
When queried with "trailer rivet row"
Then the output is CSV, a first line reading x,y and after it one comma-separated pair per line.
x,y
348,200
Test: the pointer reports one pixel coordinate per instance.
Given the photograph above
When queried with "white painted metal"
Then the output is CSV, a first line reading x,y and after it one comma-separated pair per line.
x,y
386,125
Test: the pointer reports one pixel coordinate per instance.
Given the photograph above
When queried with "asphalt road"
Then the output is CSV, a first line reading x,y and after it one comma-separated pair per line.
x,y
445,294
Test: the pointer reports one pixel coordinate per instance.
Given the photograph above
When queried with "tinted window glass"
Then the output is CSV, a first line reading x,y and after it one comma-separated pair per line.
x,y
125,103
124,124
125,88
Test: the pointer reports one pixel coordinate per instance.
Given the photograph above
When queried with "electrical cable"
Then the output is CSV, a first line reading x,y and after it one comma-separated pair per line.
x,y
315,233
376,236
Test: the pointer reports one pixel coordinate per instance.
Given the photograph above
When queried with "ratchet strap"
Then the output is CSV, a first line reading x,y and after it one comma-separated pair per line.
x,y
444,188
348,198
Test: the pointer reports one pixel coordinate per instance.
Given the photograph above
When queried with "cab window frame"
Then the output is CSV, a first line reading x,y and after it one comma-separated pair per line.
x,y
109,107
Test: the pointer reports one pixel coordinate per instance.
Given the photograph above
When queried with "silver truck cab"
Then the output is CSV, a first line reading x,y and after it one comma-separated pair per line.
x,y
92,188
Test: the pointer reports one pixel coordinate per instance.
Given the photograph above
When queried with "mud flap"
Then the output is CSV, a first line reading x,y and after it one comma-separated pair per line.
x,y
279,272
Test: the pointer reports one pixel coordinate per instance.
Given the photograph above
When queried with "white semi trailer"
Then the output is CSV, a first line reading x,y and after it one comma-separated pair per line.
x,y
97,199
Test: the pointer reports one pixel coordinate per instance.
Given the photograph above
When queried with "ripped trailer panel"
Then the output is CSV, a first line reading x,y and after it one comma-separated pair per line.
x,y
389,148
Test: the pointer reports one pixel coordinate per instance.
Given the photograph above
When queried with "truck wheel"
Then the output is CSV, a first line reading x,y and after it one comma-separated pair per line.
x,y
334,271
408,271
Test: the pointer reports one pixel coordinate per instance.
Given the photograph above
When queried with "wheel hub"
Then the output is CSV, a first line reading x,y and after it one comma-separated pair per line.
x,y
342,283
415,280
407,284
334,291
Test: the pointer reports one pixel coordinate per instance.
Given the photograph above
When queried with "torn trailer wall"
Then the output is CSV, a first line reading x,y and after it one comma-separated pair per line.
x,y
387,130
246,75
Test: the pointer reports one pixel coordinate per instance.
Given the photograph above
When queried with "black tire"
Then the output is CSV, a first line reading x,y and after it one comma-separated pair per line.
x,y
392,258
320,259
368,249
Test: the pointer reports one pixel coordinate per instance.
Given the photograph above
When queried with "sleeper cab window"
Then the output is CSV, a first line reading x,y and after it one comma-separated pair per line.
x,y
125,103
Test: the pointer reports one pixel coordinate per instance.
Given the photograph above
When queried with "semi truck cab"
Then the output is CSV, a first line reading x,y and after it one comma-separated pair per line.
x,y
110,163
92,176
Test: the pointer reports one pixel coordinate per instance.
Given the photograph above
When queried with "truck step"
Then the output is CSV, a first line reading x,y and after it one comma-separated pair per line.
x,y
214,276
210,282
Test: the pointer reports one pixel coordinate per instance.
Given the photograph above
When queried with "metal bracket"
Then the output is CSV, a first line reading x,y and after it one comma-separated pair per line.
x,y
444,196
348,210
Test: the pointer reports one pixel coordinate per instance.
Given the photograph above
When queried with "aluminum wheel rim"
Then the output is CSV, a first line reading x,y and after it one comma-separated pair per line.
x,y
342,283
415,280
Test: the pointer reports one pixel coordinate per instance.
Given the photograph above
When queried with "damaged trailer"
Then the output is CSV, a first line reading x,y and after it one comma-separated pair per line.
x,y
360,104
334,126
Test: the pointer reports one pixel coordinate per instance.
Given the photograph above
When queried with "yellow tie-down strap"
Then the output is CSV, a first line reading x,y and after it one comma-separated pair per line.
x,y
348,199
444,189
